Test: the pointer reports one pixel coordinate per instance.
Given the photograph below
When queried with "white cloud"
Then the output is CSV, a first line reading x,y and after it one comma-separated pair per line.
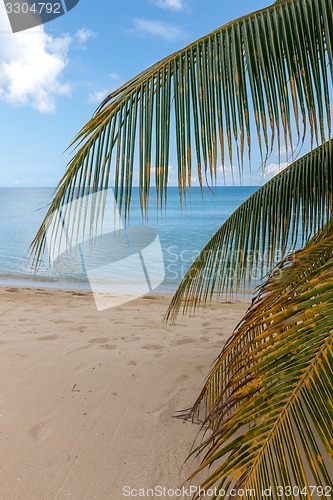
x,y
97,96
169,4
228,171
168,32
283,150
227,168
273,169
114,76
83,35
31,65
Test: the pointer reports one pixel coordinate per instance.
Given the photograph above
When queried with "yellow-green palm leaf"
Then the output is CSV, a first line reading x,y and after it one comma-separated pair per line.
x,y
269,396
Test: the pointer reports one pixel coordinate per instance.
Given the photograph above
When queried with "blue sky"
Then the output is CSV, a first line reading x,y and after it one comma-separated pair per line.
x,y
53,77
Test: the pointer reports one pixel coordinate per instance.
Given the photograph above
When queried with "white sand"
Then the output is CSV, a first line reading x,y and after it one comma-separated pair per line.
x,y
87,398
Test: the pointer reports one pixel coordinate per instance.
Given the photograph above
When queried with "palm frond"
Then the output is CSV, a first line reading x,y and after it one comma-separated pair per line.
x,y
287,210
268,398
260,75
325,232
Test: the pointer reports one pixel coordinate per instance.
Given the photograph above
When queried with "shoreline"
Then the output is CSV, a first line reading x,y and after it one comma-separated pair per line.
x,y
164,290
88,397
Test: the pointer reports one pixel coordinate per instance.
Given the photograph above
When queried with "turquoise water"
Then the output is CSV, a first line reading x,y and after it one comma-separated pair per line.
x,y
182,232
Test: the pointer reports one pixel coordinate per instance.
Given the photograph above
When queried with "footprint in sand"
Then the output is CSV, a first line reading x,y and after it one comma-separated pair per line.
x,y
153,347
184,341
109,347
133,339
41,431
80,329
48,337
99,340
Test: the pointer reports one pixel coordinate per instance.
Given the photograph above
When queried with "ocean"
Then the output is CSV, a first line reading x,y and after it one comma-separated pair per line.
x,y
182,232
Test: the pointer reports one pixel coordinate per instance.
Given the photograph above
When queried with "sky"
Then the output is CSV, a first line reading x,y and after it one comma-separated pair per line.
x,y
53,77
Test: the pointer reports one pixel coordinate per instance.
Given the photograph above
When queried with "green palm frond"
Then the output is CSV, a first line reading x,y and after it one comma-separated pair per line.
x,y
287,210
268,398
258,77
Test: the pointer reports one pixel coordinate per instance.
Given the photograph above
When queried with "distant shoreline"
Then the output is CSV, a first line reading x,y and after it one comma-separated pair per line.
x,y
38,283
164,291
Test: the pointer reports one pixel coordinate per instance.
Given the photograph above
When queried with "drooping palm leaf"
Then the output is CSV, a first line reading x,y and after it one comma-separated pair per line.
x,y
269,396
287,210
262,74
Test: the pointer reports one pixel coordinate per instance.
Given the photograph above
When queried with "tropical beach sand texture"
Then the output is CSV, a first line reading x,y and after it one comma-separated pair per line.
x,y
88,398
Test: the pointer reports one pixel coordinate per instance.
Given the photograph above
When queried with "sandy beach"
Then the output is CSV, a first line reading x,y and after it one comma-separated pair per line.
x,y
88,398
